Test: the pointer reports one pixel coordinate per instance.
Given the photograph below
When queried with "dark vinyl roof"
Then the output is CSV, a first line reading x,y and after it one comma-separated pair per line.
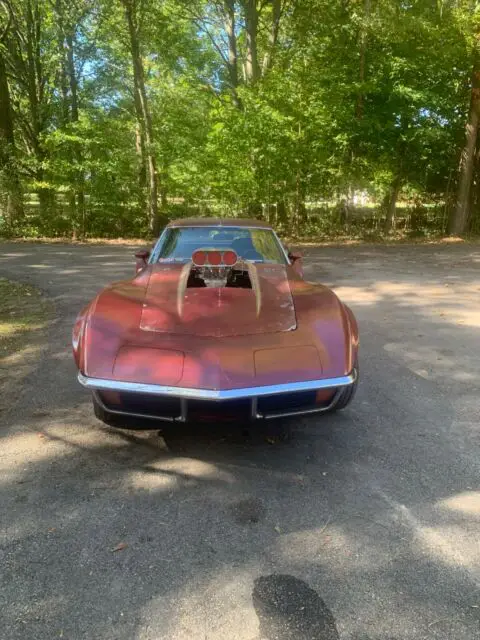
x,y
218,222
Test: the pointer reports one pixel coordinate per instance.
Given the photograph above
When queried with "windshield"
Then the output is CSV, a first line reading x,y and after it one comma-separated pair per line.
x,y
257,245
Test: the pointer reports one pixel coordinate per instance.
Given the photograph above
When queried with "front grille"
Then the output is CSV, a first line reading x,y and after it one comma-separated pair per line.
x,y
285,402
219,410
241,409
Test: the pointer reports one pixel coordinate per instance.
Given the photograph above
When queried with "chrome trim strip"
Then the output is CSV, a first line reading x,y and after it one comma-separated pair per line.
x,y
282,247
101,384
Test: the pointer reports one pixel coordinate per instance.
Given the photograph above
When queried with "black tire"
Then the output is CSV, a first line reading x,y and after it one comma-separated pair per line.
x,y
348,393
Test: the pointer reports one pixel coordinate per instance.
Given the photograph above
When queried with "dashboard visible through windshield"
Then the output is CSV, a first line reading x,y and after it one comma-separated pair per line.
x,y
177,244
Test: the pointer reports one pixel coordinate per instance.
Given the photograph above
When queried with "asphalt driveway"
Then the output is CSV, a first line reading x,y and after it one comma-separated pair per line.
x,y
363,525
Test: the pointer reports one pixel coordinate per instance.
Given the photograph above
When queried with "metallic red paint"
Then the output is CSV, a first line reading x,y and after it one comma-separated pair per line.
x,y
217,311
215,338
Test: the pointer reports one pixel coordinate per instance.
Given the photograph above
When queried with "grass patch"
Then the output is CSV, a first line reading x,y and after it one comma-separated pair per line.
x,y
22,309
24,315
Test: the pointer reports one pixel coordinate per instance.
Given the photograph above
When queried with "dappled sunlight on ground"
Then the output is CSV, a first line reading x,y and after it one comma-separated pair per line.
x,y
452,545
449,303
427,315
162,534
320,544
186,470
452,540
209,606
467,503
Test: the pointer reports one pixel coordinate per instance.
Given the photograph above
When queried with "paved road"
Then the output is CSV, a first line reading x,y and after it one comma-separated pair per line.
x,y
360,526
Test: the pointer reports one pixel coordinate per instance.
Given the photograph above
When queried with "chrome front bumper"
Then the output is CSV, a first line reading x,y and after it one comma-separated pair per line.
x,y
184,394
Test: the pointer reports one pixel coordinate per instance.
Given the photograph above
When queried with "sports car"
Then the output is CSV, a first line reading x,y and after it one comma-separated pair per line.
x,y
217,323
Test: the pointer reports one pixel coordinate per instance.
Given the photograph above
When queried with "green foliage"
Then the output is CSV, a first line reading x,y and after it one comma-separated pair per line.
x,y
352,98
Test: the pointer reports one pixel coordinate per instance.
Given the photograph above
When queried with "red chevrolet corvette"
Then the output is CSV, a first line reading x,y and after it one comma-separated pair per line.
x,y
217,323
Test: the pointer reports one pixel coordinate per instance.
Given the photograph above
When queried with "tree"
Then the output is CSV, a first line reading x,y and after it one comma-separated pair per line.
x,y
142,109
121,115
460,215
69,18
8,161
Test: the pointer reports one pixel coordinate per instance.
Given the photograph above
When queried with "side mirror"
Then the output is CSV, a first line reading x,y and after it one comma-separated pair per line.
x,y
142,257
296,261
294,257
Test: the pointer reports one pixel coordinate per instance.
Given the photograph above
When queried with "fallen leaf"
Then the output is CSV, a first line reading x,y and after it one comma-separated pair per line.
x,y
120,546
277,529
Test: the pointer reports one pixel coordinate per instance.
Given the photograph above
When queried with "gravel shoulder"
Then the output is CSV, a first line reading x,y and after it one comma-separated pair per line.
x,y
24,316
371,517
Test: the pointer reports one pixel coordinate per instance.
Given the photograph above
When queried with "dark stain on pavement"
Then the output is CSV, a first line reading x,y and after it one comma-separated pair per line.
x,y
288,609
248,511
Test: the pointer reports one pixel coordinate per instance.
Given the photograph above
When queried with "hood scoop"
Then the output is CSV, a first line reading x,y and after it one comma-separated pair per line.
x,y
172,307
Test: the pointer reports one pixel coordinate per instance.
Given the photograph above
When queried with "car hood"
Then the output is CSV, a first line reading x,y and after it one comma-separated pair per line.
x,y
170,307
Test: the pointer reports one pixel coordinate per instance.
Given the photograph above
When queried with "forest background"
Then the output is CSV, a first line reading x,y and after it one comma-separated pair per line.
x,y
343,118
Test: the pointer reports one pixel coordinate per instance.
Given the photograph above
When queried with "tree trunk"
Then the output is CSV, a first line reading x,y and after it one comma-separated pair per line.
x,y
46,196
300,208
14,201
390,204
63,75
252,70
459,218
140,151
74,116
271,214
282,214
363,56
7,138
344,211
273,36
145,116
62,71
33,70
474,218
232,49
255,210
35,81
